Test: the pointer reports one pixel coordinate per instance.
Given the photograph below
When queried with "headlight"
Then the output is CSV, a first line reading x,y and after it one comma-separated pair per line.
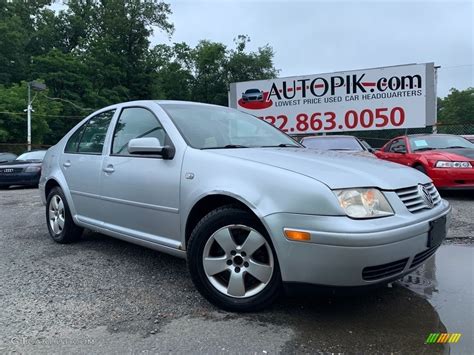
x,y
453,164
32,169
363,203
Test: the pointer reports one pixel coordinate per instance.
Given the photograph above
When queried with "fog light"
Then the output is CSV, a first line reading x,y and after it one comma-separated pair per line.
x,y
297,235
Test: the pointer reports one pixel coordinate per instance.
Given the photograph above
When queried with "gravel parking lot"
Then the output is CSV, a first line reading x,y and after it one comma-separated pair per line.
x,y
105,295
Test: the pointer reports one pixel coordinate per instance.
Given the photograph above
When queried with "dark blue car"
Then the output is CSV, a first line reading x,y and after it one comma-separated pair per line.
x,y
24,170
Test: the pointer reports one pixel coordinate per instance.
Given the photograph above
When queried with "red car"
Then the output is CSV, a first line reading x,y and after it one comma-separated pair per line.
x,y
447,159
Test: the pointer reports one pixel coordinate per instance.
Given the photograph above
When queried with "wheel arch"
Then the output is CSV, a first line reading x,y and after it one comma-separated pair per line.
x,y
53,182
50,184
209,203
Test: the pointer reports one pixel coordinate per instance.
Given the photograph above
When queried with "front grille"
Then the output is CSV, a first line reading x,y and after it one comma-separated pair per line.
x,y
6,171
421,257
414,201
372,273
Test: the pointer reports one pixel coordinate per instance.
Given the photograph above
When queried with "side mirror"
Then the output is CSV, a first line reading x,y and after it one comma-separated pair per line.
x,y
149,146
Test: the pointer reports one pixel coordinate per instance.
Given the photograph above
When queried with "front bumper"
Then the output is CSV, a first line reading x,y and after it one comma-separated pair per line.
x,y
19,179
343,250
453,178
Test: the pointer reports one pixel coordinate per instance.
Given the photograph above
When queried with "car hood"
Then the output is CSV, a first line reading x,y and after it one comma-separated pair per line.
x,y
335,169
18,163
450,154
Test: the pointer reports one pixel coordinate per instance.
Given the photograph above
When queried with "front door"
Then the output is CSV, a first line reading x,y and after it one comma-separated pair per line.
x,y
140,194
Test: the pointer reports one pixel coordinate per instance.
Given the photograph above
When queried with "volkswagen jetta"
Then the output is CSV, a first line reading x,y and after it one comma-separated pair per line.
x,y
248,206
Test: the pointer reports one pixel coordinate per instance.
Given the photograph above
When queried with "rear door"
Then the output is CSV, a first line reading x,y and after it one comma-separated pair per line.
x,y
81,165
140,193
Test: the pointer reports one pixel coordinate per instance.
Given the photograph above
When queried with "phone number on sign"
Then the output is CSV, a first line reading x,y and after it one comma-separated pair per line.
x,y
328,121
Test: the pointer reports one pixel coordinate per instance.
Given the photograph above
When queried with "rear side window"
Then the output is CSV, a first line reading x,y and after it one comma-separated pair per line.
x,y
135,122
89,138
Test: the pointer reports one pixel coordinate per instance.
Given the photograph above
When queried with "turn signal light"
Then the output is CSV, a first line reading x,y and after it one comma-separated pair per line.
x,y
297,235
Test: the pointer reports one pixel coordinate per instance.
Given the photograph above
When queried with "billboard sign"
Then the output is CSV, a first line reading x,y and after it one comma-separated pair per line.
x,y
381,98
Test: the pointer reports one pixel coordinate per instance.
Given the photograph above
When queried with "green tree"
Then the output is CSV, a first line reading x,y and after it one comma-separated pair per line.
x,y
13,120
456,112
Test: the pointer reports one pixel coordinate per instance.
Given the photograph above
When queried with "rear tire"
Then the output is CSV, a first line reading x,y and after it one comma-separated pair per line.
x,y
60,224
232,261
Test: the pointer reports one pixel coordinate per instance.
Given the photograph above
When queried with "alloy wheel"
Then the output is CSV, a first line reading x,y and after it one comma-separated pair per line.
x,y
238,261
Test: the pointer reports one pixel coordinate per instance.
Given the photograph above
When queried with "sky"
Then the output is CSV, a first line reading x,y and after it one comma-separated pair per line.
x,y
311,37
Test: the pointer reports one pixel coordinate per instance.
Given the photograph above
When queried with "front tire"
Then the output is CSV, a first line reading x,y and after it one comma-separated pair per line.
x,y
421,169
60,224
232,261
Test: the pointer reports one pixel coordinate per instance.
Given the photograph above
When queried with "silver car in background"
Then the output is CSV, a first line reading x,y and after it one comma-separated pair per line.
x,y
247,206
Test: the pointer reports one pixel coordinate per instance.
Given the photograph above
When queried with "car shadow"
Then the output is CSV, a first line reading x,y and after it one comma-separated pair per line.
x,y
457,194
382,319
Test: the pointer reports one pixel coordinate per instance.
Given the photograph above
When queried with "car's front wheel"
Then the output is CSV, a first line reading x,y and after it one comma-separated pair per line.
x,y
60,224
232,261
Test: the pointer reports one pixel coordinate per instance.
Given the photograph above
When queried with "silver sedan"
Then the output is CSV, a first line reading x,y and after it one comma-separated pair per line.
x,y
248,206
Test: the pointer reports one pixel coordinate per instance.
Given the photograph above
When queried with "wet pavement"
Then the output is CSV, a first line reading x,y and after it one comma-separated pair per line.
x,y
103,295
447,282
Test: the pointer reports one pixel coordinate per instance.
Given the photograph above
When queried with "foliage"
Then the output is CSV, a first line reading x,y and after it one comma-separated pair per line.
x,y
95,53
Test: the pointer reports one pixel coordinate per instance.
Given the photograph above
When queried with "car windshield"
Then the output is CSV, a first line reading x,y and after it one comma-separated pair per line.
x,y
38,155
333,143
438,142
252,91
215,127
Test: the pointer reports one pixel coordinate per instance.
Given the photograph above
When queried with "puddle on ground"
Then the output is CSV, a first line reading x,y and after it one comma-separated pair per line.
x,y
447,282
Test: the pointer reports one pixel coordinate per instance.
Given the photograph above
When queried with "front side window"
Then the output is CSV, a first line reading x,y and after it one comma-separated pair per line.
x,y
215,127
135,122
90,137
398,146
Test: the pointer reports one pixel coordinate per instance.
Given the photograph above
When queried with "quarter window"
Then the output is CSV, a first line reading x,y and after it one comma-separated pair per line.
x,y
135,122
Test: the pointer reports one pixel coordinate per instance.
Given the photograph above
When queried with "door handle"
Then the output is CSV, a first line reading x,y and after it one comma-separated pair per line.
x,y
67,164
109,169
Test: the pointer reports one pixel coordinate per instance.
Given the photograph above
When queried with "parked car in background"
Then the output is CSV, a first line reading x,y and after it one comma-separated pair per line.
x,y
348,144
24,170
469,137
248,206
252,95
5,157
447,159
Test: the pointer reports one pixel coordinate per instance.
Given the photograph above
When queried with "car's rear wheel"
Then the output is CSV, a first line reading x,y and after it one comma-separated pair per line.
x,y
232,261
61,226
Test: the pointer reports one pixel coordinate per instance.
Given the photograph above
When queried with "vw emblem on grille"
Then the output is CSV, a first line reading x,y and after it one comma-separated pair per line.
x,y
426,196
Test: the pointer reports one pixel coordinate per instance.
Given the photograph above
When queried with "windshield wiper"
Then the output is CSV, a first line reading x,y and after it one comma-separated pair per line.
x,y
228,146
282,145
454,146
421,149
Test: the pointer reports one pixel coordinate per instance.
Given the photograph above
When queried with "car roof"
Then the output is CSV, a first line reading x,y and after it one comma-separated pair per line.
x,y
429,134
331,136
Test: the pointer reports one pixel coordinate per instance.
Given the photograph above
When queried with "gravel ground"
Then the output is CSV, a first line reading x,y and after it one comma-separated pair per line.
x,y
104,295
